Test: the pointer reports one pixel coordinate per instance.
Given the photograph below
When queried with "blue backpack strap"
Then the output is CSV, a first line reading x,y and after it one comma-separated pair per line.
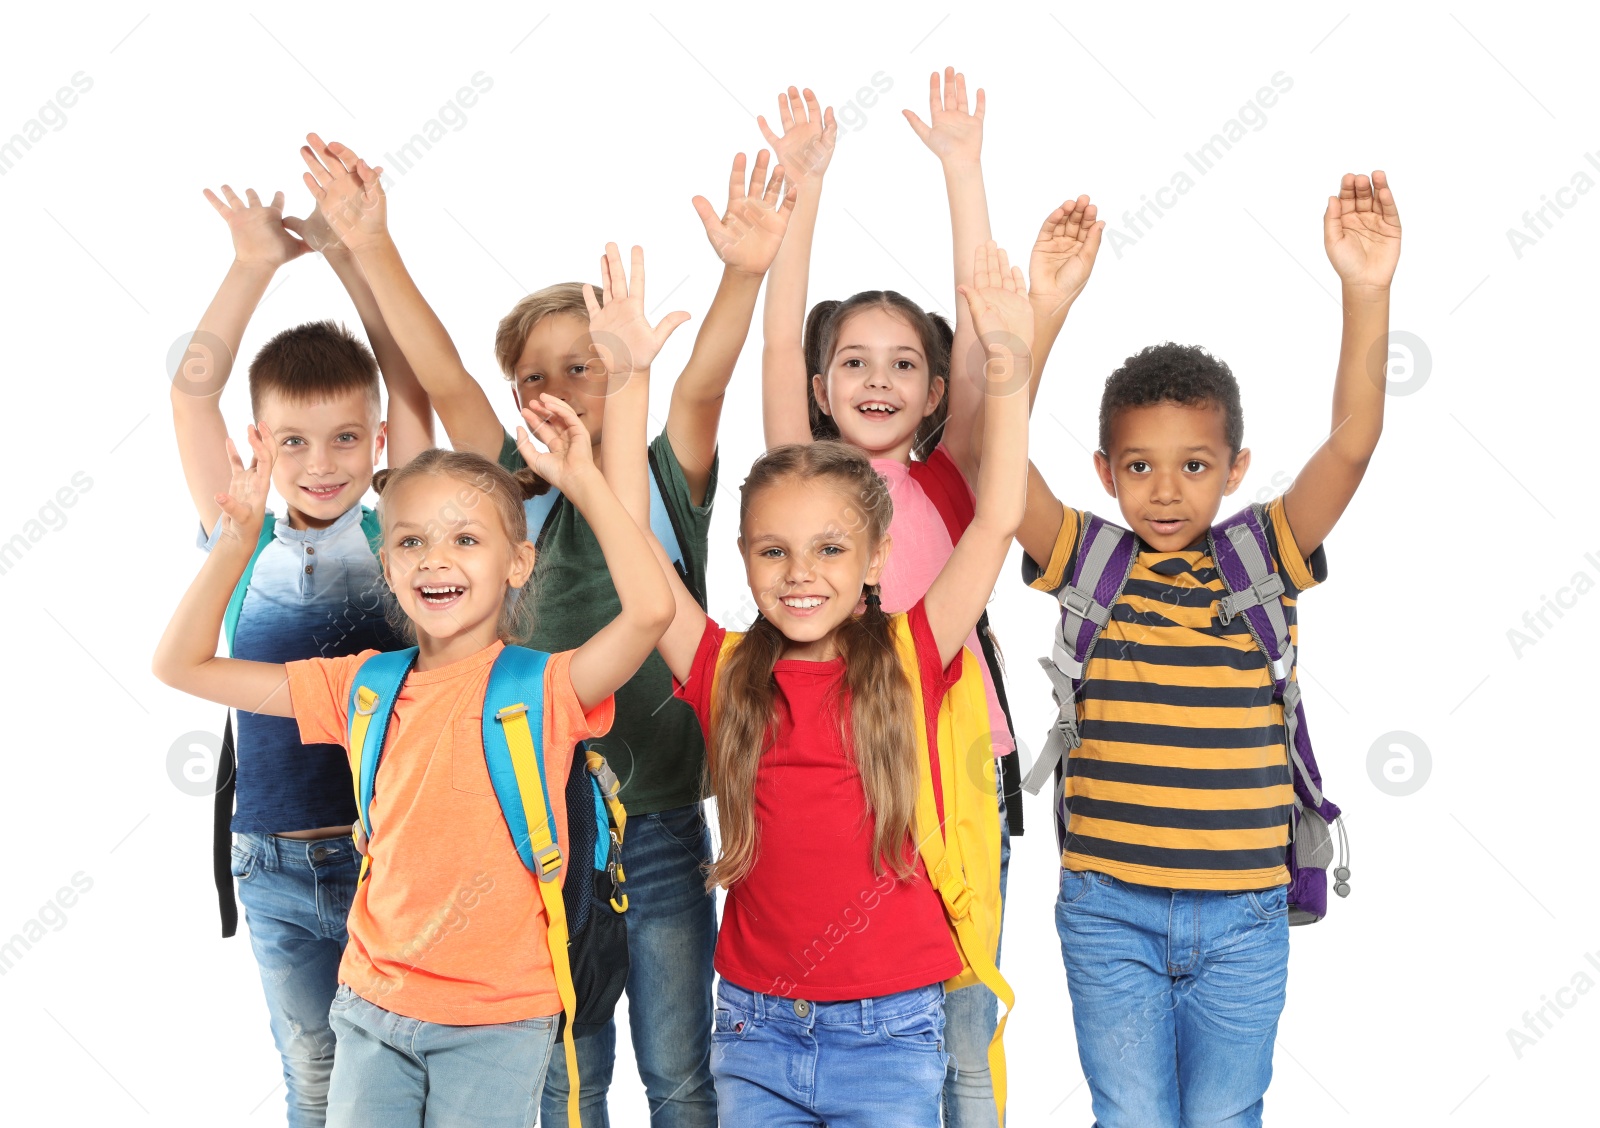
x,y
1104,558
516,689
372,696
662,523
371,527
538,510
230,618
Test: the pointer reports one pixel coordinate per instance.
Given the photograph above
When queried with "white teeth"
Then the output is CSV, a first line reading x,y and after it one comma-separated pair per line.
x,y
879,407
440,590
803,603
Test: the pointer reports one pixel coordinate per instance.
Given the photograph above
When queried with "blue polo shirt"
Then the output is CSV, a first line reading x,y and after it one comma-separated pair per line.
x,y
314,593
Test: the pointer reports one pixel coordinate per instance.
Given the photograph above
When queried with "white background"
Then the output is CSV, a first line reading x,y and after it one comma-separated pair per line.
x,y
1473,895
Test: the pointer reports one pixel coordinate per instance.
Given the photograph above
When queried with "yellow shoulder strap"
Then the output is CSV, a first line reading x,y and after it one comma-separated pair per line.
x,y
547,854
940,856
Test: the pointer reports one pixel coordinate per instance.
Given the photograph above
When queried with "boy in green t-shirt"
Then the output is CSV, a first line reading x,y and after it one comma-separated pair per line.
x,y
560,341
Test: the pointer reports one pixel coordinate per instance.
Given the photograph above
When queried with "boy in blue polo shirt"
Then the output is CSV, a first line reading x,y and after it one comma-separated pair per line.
x,y
314,590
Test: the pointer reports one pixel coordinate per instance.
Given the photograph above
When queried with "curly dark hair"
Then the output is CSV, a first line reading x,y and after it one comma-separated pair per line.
x,y
1169,373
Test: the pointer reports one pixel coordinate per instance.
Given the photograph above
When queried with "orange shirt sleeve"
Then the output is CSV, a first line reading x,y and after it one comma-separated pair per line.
x,y
319,690
565,721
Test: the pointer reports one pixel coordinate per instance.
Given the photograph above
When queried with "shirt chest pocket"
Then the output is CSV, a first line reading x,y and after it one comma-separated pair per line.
x,y
469,771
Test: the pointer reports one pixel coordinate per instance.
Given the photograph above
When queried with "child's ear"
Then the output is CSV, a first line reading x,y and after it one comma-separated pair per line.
x,y
935,394
383,568
819,388
1236,472
879,557
522,566
1102,467
378,441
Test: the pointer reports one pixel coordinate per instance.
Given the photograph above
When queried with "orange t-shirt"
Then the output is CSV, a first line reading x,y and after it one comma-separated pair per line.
x,y
448,926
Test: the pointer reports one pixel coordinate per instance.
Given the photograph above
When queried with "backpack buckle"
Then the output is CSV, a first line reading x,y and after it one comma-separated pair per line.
x,y
1067,725
1081,603
510,711
547,860
366,702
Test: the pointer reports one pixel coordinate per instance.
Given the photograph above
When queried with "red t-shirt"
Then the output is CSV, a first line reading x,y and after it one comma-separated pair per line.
x,y
812,920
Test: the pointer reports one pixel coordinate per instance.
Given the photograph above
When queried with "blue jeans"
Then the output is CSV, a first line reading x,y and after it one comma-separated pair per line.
x,y
970,1015
869,1063
672,937
398,1072
1176,995
296,895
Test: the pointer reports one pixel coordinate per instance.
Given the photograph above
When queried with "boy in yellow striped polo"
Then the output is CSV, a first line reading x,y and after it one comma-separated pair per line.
x,y
1173,913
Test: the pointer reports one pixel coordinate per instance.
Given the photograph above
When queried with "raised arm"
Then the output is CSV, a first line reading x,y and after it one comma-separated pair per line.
x,y
806,147
351,199
616,651
1361,233
1062,260
1004,323
186,658
746,238
956,137
623,345
260,245
408,412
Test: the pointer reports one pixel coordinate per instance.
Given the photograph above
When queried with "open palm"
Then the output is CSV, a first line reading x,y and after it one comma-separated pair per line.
x,y
809,134
747,236
1361,231
1063,255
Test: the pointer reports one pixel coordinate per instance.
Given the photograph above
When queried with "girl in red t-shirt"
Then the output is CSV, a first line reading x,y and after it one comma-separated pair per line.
x,y
834,948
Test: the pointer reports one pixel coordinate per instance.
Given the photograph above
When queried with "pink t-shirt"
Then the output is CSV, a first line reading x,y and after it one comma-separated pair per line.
x,y
922,546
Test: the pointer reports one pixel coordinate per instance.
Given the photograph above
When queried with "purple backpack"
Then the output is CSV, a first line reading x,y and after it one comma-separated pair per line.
x,y
1255,593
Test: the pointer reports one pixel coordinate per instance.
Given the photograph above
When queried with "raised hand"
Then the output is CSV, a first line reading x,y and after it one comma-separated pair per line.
x,y
619,331
1063,255
1002,316
748,236
244,505
258,230
347,191
1361,231
809,134
951,132
315,231
567,456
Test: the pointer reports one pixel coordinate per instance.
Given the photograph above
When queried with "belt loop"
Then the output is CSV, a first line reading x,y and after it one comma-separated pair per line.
x,y
866,1016
760,1006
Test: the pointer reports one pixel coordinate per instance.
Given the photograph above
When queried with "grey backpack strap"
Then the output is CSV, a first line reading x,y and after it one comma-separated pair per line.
x,y
1265,590
1086,605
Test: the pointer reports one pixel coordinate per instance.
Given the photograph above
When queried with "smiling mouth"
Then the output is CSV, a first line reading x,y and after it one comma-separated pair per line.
x,y
878,410
440,595
802,604
324,493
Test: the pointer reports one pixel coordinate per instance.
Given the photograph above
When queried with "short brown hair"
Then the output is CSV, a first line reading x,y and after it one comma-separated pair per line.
x,y
512,334
311,362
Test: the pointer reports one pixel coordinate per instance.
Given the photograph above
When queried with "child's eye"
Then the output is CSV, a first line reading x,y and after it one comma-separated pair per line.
x,y
578,369
1138,466
1194,466
852,362
410,542
905,365
532,378
466,539
348,437
771,553
830,550
294,440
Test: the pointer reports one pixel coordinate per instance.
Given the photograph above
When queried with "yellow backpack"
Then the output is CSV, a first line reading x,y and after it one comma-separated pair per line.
x,y
961,854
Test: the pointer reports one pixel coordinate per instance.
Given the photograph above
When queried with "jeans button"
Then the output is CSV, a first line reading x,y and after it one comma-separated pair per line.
x,y
319,853
802,1008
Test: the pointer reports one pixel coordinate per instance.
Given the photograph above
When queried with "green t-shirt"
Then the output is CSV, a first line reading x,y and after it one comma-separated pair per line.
x,y
655,747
